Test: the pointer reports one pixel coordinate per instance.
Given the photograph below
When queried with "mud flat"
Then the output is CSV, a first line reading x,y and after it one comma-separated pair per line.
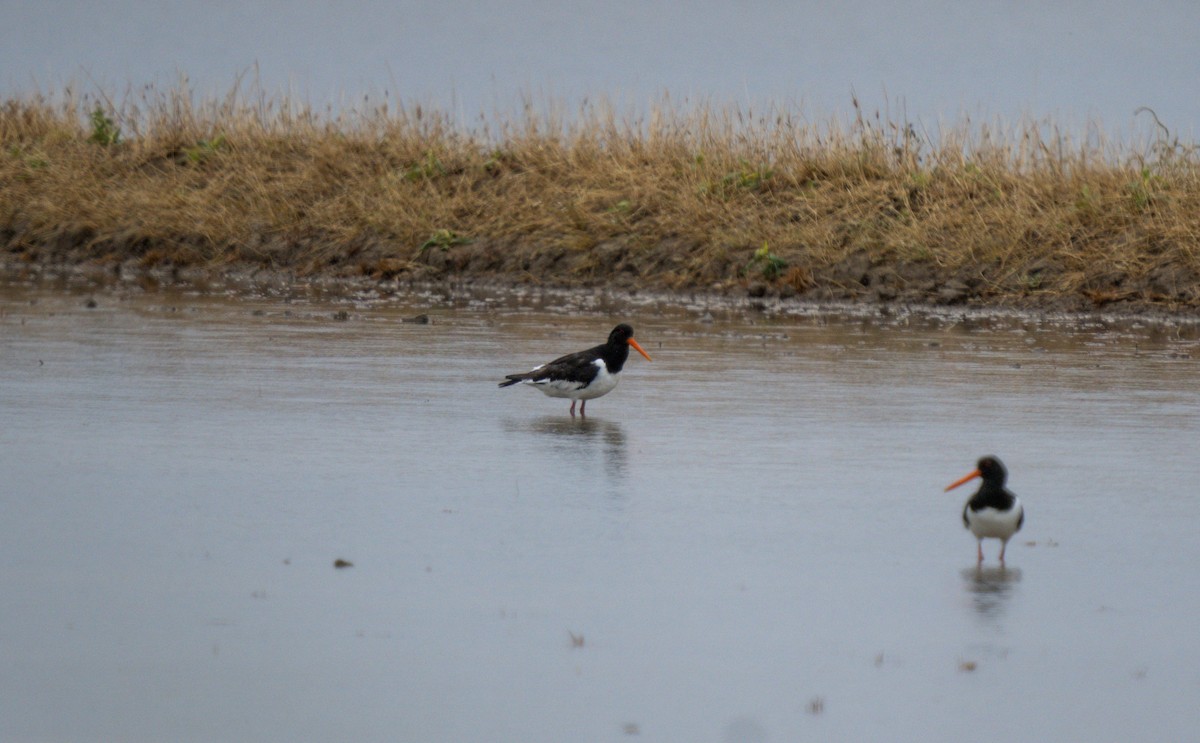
x,y
506,292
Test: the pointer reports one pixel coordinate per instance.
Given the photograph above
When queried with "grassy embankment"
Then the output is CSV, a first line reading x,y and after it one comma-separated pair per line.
x,y
705,198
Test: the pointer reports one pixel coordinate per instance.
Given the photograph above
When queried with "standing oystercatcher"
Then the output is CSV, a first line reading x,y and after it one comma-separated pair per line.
x,y
583,375
993,511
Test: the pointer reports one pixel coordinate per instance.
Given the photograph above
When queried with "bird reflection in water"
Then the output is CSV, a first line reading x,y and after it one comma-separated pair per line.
x,y
577,438
990,588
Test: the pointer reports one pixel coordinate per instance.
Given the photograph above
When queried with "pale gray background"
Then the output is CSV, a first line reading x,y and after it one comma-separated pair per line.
x,y
1072,62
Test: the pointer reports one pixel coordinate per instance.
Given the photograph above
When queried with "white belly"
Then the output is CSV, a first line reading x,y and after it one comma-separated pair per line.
x,y
990,523
603,384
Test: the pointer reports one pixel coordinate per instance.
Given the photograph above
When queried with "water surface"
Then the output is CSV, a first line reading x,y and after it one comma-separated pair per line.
x,y
747,540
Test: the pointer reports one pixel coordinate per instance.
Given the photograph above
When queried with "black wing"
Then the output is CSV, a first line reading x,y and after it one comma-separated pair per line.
x,y
574,367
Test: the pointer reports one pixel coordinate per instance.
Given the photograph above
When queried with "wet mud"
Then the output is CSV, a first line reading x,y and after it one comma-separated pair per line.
x,y
861,286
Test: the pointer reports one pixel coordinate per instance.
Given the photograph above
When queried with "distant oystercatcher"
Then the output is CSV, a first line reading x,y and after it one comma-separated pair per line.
x,y
993,511
583,375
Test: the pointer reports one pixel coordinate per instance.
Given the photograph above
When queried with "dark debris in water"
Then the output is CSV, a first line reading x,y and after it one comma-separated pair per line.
x,y
1045,542
340,563
417,319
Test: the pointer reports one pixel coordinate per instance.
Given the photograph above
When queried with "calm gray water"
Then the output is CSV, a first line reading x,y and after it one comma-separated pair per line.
x,y
746,541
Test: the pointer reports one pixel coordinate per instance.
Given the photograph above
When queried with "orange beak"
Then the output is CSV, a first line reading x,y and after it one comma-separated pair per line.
x,y
639,349
956,483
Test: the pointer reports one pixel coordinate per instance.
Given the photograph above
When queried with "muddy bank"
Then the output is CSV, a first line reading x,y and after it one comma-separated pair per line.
x,y
858,287
1168,286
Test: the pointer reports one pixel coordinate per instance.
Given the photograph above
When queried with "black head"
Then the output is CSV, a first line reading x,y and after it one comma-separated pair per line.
x,y
620,335
988,468
620,340
991,470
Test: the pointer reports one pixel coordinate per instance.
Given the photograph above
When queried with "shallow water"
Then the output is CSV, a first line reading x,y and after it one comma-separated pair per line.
x,y
748,540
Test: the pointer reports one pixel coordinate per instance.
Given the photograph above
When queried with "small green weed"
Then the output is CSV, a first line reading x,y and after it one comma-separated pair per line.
x,y
1087,202
32,160
748,178
204,149
443,239
770,265
496,161
1142,190
104,131
430,167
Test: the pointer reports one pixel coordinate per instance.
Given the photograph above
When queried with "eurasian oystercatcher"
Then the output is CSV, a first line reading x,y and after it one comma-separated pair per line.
x,y
993,511
583,375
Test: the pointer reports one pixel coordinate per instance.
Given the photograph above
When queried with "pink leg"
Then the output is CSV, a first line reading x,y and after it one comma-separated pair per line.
x,y
979,545
582,408
572,408
1003,546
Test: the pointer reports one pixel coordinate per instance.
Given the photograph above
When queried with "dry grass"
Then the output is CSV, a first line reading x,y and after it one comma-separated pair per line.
x,y
680,197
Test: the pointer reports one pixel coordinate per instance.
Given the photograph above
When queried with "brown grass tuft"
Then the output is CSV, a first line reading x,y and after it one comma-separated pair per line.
x,y
677,198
